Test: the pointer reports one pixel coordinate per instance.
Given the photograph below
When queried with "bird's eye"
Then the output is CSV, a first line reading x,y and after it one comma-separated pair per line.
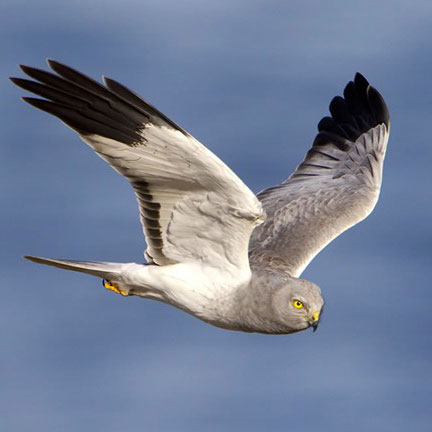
x,y
298,304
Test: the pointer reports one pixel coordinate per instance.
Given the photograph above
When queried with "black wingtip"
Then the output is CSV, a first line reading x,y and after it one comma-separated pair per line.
x,y
31,258
360,109
26,69
106,80
58,67
22,82
360,81
52,63
360,77
34,101
375,100
378,106
47,106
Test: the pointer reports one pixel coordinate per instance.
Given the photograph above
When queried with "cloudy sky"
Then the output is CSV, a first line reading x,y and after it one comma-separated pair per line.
x,y
250,79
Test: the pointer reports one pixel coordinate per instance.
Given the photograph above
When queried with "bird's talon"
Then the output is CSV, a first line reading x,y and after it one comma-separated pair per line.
x,y
112,286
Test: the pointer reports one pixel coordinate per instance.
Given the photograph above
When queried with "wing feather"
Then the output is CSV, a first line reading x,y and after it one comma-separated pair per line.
x,y
336,186
192,206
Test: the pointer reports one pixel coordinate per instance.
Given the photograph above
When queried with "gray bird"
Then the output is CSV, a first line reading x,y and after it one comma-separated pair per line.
x,y
214,249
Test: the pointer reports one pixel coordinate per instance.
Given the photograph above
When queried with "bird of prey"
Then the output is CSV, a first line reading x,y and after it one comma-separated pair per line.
x,y
214,249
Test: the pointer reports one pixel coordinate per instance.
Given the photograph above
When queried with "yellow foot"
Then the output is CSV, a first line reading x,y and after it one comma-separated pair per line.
x,y
112,286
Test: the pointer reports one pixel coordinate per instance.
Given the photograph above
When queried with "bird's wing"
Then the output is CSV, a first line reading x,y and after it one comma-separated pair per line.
x,y
336,186
192,206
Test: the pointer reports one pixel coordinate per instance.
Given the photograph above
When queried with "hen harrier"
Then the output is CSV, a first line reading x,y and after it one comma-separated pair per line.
x,y
214,249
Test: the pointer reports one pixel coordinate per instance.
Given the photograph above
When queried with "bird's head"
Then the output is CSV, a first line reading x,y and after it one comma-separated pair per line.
x,y
298,305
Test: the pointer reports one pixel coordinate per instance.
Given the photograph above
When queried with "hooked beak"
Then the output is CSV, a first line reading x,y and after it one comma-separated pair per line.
x,y
315,321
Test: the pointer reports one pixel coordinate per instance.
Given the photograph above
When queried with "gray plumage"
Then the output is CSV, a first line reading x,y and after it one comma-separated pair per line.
x,y
215,250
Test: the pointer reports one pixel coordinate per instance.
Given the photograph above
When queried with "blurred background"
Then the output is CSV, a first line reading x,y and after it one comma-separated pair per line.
x,y
250,79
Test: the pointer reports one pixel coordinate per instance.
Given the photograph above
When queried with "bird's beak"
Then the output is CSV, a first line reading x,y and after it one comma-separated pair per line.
x,y
315,321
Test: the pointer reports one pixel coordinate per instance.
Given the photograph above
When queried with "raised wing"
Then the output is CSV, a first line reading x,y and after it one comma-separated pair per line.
x,y
192,206
335,187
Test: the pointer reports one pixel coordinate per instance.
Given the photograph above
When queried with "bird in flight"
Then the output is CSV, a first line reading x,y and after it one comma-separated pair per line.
x,y
214,249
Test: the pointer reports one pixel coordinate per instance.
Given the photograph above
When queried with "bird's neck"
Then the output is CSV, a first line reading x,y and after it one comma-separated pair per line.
x,y
253,307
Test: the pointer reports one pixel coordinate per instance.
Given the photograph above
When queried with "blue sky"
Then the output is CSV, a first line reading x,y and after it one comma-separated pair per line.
x,y
250,79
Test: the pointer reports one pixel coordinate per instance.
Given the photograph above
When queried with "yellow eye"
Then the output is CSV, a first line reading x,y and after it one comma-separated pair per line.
x,y
298,304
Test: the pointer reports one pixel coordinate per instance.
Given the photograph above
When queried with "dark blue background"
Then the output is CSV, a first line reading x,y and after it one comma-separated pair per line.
x,y
250,79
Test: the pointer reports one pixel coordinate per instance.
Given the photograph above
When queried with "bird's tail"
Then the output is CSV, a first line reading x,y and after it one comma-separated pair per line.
x,y
104,270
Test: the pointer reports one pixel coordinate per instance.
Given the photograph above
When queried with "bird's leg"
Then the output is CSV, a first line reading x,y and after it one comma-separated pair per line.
x,y
112,286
